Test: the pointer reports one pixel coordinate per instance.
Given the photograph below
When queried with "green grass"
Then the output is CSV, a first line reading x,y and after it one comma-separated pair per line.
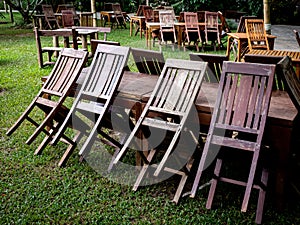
x,y
33,190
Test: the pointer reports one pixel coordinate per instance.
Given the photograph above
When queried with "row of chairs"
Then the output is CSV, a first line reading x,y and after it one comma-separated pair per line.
x,y
173,96
69,16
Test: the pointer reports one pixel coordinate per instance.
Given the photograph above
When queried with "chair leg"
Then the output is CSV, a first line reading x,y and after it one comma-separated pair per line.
x,y
250,181
213,184
70,149
143,170
261,196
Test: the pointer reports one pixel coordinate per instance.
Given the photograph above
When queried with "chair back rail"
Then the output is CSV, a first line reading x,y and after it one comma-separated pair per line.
x,y
215,63
148,61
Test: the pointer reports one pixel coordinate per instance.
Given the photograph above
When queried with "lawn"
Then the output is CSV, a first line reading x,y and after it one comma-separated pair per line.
x,y
33,190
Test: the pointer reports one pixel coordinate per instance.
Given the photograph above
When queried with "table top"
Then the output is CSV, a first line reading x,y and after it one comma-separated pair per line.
x,y
244,35
294,55
138,87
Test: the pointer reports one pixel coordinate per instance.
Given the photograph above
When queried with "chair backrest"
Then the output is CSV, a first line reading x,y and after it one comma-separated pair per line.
x,y
211,21
225,26
166,21
50,17
105,72
242,104
75,15
108,7
242,26
65,72
116,7
148,13
177,86
95,42
201,16
265,59
291,81
191,21
256,34
215,63
140,10
67,18
297,36
148,61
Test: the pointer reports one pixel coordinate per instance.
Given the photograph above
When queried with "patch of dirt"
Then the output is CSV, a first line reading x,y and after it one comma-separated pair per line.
x,y
2,90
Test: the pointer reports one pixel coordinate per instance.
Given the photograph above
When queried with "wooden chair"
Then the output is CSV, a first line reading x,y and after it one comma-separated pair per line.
x,y
292,86
241,29
41,48
172,98
95,42
51,97
67,18
225,28
297,37
147,61
238,123
50,17
215,63
256,34
167,29
118,15
192,30
211,29
94,98
290,80
137,25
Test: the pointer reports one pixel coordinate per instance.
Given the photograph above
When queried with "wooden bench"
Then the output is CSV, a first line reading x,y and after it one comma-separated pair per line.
x,y
51,49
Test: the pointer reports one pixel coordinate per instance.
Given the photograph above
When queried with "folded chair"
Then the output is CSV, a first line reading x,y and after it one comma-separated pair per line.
x,y
94,98
172,98
51,97
238,123
148,61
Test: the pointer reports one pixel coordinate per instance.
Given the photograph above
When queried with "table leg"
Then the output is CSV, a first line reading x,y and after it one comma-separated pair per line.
x,y
141,30
228,46
130,27
84,41
281,146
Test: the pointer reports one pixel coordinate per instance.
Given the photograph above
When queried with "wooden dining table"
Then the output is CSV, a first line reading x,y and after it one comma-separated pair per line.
x,y
84,32
241,39
135,90
179,26
139,20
